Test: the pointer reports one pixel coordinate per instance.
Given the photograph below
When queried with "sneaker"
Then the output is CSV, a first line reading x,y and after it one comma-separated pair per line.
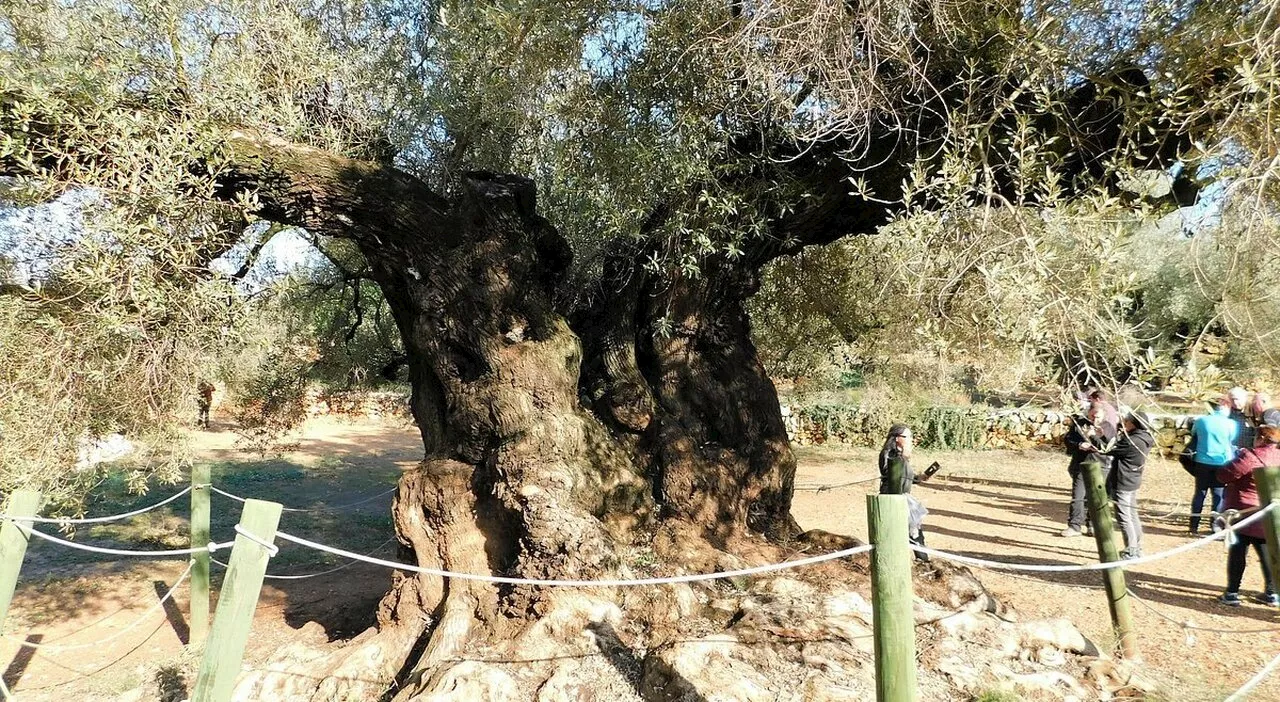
x,y
1230,599
1086,530
1131,553
1070,532
1270,599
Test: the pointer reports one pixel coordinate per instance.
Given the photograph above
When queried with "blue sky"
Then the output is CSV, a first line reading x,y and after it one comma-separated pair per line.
x,y
35,240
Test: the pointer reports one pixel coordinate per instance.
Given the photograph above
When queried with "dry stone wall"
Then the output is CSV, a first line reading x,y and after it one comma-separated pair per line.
x,y
1021,427
358,403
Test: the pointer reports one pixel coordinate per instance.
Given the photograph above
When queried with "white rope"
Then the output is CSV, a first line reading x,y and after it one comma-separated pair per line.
x,y
271,548
1256,680
818,487
141,618
348,564
1071,568
99,520
238,498
579,583
1193,627
371,498
212,547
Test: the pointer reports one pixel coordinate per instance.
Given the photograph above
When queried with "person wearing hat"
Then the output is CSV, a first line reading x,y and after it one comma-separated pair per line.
x,y
1129,457
1242,494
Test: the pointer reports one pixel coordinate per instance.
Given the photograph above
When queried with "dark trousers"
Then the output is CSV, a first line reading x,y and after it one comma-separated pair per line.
x,y
1078,514
1236,555
1206,482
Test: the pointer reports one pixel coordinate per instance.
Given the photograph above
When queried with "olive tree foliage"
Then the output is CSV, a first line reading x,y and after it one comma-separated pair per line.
x,y
679,133
1003,291
988,299
117,338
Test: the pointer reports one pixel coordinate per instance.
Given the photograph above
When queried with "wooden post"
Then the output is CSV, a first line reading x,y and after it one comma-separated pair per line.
x,y
893,624
1104,532
13,544
200,492
1268,482
236,603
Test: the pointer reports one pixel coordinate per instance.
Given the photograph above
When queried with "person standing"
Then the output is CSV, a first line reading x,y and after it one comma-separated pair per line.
x,y
1261,412
1213,439
1087,435
897,450
1240,415
1129,455
1242,494
204,401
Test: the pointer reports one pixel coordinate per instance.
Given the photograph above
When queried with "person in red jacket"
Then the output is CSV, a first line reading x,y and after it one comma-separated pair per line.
x,y
1242,494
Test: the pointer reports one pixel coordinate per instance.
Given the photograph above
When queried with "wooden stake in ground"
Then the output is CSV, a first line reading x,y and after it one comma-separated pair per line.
x,y
893,624
236,602
1104,532
13,544
1268,482
199,608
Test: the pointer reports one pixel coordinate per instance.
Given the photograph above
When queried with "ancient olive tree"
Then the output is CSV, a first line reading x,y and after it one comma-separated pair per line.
x,y
567,206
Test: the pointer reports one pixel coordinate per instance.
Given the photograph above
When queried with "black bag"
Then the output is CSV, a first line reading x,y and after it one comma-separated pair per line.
x,y
1187,459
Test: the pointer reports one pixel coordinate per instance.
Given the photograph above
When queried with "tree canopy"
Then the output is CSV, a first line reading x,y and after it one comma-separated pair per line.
x,y
682,135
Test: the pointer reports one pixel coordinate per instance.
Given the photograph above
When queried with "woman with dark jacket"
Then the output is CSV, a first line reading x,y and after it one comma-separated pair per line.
x,y
896,446
1242,494
897,450
1129,457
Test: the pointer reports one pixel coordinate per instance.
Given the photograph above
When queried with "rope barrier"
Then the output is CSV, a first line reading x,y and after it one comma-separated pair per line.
x,y
100,520
835,486
271,548
141,618
579,583
212,547
305,576
238,498
1071,568
1239,695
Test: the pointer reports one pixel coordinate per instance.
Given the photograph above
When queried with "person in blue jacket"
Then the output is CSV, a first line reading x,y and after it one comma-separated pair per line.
x,y
1213,441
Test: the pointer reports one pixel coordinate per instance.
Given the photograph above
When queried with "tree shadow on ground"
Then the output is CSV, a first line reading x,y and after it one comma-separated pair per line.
x,y
970,517
942,479
1064,551
1016,504
173,613
21,659
632,667
345,602
1160,589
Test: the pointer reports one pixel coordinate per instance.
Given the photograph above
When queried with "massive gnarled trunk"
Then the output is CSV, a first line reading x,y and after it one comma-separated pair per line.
x,y
554,448
691,398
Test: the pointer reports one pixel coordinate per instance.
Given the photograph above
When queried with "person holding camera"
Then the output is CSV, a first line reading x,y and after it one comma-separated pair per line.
x,y
1088,435
895,480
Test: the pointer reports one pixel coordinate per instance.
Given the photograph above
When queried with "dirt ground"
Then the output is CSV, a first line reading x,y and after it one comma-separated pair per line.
x,y
1001,505
1011,505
